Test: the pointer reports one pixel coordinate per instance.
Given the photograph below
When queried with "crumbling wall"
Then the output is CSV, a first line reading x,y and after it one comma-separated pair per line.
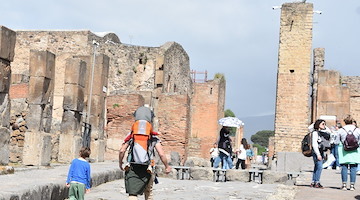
x,y
120,109
353,83
7,45
207,107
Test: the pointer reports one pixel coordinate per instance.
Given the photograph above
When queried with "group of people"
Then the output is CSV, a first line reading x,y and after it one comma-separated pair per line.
x,y
337,141
139,178
223,153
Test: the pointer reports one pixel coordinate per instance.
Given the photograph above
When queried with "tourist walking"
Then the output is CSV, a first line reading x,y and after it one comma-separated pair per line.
x,y
225,149
78,179
139,178
319,137
348,158
241,154
249,156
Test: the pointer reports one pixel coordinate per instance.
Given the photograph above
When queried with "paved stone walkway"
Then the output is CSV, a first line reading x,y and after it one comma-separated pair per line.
x,y
35,183
331,180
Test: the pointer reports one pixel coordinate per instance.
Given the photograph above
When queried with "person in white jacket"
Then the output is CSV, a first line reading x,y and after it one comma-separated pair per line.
x,y
348,159
318,154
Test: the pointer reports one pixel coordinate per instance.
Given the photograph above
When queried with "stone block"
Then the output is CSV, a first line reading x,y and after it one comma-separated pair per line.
x,y
292,162
97,105
75,72
101,70
237,175
5,75
7,43
71,123
201,173
69,147
40,89
4,110
4,145
42,64
273,177
97,149
34,117
73,97
195,161
37,149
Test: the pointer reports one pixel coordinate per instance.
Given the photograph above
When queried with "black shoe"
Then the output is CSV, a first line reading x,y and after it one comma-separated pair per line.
x,y
312,185
318,185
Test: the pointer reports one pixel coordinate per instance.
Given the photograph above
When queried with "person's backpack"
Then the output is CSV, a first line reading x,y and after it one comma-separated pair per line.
x,y
325,140
350,143
139,147
306,147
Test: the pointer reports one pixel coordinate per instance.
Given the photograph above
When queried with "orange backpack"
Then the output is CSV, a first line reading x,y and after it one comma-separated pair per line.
x,y
139,147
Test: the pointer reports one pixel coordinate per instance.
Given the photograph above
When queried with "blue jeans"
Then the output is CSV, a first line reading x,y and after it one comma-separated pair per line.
x,y
335,152
344,172
225,159
317,169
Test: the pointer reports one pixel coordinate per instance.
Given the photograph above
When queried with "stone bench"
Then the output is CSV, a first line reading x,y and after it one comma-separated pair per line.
x,y
219,175
256,175
182,172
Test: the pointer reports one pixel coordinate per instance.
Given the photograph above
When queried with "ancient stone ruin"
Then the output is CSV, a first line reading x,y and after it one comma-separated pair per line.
x,y
305,93
76,88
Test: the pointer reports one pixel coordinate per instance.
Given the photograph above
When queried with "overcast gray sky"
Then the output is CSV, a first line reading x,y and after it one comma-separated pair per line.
x,y
236,37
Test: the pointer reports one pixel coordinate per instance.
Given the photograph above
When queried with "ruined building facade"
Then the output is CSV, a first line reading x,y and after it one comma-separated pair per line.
x,y
293,78
306,90
62,81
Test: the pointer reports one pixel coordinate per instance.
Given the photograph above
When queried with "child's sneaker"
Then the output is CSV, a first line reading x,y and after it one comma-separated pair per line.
x,y
344,187
352,188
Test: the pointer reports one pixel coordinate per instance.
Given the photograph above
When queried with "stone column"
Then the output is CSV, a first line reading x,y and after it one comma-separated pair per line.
x,y
292,115
37,143
7,46
74,89
96,115
98,107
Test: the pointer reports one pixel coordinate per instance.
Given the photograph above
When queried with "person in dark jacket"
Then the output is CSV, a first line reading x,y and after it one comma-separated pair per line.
x,y
225,149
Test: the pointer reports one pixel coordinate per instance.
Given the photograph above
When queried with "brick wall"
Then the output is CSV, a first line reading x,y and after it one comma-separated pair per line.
x,y
174,123
207,107
120,109
293,80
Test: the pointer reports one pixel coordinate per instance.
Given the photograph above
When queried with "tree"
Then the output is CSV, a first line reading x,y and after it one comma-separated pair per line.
x,y
219,76
262,137
229,113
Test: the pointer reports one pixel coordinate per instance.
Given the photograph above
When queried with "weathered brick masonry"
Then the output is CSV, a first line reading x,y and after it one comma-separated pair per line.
x,y
293,78
130,75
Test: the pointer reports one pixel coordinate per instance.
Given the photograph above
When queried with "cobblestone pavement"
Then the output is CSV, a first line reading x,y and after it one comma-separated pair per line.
x,y
197,190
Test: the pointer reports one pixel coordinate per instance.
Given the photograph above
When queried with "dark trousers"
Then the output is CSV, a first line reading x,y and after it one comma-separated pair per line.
x,y
242,162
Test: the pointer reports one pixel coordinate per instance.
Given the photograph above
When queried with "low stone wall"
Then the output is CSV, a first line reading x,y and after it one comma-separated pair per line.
x,y
206,173
52,188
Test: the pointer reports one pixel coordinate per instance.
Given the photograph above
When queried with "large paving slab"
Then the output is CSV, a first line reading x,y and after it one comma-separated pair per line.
x,y
48,183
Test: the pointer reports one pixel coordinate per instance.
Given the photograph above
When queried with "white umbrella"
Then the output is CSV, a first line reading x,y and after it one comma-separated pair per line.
x,y
230,122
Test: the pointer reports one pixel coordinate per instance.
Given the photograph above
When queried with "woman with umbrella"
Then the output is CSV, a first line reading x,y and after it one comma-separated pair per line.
x,y
225,149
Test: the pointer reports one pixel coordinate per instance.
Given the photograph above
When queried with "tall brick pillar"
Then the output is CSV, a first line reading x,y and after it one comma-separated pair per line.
x,y
207,107
7,46
74,90
37,143
293,79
